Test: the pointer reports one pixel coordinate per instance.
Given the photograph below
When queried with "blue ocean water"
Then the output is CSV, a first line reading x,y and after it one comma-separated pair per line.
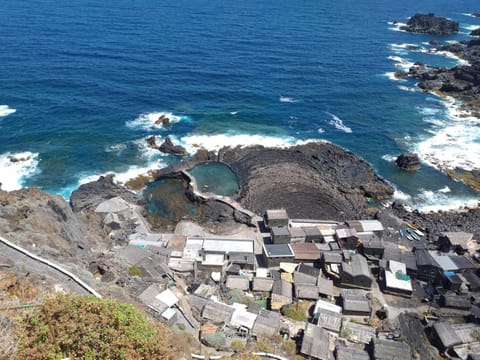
x,y
89,78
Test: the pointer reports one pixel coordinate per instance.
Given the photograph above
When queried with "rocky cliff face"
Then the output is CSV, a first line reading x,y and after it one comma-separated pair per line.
x,y
431,24
316,180
46,224
89,196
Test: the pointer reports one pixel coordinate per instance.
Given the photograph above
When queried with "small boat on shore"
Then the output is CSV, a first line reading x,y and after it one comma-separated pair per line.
x,y
412,234
416,230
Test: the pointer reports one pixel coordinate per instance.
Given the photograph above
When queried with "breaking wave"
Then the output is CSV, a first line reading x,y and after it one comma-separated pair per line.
x,y
456,138
336,122
16,167
5,110
152,121
286,99
215,142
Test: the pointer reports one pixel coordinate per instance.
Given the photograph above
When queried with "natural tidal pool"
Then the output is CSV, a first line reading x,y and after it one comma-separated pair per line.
x,y
167,203
215,177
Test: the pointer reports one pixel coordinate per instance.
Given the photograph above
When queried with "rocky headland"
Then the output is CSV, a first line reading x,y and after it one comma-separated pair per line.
x,y
430,24
316,180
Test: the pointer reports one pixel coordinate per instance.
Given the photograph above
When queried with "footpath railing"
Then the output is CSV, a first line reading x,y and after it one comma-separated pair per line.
x,y
52,265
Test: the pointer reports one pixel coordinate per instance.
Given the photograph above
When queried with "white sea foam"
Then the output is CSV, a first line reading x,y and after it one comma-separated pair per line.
x,y
320,130
445,190
336,122
407,88
405,48
401,63
13,173
455,140
286,99
389,158
233,113
429,200
469,27
148,121
5,110
391,76
115,148
120,177
428,110
396,26
215,142
451,55
400,195
469,15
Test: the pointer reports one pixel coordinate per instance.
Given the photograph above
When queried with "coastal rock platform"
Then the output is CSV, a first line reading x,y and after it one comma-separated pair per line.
x,y
315,180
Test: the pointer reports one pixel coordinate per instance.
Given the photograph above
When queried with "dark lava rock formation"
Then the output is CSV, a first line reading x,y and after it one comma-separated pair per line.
x,y
475,32
168,147
462,82
431,24
89,196
316,180
408,162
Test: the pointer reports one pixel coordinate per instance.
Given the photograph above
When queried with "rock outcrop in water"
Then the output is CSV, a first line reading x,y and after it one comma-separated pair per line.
x,y
475,32
462,82
408,162
431,24
163,120
168,147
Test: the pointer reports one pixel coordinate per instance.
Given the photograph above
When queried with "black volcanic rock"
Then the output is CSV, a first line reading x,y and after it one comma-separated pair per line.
x,y
163,120
168,147
316,180
476,14
431,24
90,195
409,162
475,32
152,143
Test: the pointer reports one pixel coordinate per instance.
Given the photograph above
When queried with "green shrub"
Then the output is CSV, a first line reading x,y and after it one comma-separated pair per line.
x,y
134,271
263,346
181,327
295,314
215,340
85,327
290,347
237,345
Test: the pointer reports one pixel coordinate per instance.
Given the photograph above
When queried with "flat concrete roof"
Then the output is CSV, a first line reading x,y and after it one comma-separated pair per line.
x,y
277,214
278,250
220,245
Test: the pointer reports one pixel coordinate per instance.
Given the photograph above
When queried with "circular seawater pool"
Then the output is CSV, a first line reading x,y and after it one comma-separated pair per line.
x,y
215,177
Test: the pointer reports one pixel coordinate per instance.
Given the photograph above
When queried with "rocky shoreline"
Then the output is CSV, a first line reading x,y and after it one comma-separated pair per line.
x,y
460,82
316,180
